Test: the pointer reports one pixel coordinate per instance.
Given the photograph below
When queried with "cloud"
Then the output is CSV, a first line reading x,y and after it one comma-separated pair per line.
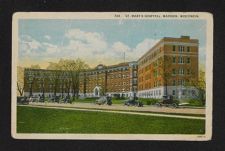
x,y
87,39
47,37
28,42
141,48
30,47
120,47
92,47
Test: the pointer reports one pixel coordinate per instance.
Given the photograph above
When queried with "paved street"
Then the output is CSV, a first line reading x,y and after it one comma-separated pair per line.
x,y
121,107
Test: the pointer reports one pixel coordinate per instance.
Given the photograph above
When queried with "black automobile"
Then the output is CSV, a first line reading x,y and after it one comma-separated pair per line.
x,y
55,99
168,101
109,100
133,102
22,100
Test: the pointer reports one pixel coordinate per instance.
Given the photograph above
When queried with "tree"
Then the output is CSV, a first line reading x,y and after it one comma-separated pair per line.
x,y
67,74
200,85
164,68
55,76
73,67
32,77
20,80
43,78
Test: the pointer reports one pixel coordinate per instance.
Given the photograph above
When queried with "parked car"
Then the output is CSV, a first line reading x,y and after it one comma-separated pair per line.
x,y
104,100
22,100
109,100
33,99
55,99
168,101
65,99
133,102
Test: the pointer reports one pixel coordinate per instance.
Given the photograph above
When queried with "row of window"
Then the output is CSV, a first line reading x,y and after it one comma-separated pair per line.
x,y
150,56
151,93
149,85
184,92
180,82
182,48
181,71
181,60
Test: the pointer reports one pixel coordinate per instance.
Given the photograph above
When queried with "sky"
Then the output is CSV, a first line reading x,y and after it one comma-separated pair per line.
x,y
99,41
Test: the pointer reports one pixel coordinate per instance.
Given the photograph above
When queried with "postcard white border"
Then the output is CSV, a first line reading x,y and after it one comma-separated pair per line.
x,y
111,15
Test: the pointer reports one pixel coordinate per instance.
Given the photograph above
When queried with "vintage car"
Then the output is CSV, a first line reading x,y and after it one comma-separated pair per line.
x,y
168,101
22,100
133,102
55,99
33,99
104,100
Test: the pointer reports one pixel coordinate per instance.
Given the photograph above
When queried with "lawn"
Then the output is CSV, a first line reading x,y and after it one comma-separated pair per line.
x,y
40,120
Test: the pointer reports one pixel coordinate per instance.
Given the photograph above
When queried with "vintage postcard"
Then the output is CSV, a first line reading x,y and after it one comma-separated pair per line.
x,y
112,75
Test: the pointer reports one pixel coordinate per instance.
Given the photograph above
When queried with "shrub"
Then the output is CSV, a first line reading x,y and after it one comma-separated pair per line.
x,y
195,102
149,101
118,97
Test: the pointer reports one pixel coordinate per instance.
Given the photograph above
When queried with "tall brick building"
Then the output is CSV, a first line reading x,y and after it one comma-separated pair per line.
x,y
169,68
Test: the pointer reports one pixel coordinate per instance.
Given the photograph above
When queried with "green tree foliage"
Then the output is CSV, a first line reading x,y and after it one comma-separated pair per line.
x,y
200,85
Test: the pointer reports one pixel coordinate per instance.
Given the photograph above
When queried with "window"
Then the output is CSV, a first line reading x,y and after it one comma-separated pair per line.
x,y
181,48
188,49
174,71
180,60
182,82
174,92
174,82
174,48
181,71
188,60
174,59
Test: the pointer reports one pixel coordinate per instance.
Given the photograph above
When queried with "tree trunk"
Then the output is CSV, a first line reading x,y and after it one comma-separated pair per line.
x,y
166,87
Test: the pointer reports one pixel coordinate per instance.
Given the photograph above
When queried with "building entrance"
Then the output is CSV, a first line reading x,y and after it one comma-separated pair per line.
x,y
97,91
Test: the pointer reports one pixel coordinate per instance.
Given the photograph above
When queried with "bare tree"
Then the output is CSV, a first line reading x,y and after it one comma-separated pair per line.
x,y
74,67
67,75
163,68
43,80
55,76
20,80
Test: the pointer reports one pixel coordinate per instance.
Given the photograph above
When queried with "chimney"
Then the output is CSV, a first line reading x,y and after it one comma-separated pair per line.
x,y
185,37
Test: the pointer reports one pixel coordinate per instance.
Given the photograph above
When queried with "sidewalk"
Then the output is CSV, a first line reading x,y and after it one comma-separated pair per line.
x,y
61,106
